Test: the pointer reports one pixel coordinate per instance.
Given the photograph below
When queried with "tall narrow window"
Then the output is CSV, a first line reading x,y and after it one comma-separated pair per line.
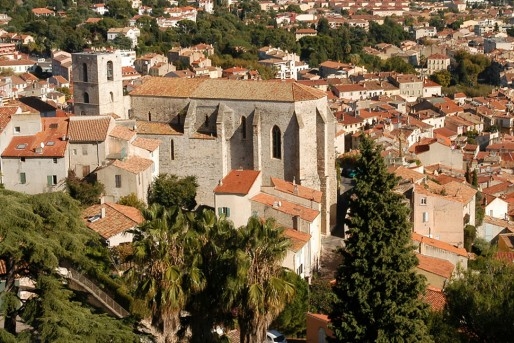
x,y
117,181
112,96
172,149
243,127
276,142
23,178
86,98
84,72
149,116
110,73
206,123
178,118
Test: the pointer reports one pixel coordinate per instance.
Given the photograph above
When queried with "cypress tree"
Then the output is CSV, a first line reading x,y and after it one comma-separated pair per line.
x,y
377,289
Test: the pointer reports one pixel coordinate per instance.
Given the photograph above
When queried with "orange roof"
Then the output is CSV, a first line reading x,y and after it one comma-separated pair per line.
x,y
146,143
298,238
287,207
122,132
47,143
435,298
155,128
237,182
298,190
5,115
134,164
452,191
89,129
205,88
439,244
435,265
118,218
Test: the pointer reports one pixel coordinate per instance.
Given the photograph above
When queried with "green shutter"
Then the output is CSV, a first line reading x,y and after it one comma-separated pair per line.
x,y
49,180
220,211
23,178
228,211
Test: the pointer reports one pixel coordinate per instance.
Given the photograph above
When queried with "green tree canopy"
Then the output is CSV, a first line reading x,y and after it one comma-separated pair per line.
x,y
377,288
38,233
86,191
477,303
169,190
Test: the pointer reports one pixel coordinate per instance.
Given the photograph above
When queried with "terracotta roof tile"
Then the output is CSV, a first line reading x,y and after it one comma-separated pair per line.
x,y
298,239
134,164
5,115
452,191
201,88
122,132
439,244
435,298
50,139
237,182
435,265
287,207
301,191
155,128
89,129
118,218
146,143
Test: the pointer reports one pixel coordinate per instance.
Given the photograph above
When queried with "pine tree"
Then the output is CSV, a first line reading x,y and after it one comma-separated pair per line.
x,y
377,288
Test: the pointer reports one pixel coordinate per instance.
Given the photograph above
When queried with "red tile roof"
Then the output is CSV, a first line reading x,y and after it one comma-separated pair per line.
x,y
435,298
287,207
435,266
298,239
122,132
134,164
237,182
5,115
202,88
439,244
298,190
155,128
47,143
118,218
146,143
89,129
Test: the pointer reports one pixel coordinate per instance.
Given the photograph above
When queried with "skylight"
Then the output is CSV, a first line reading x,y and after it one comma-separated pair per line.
x,y
21,146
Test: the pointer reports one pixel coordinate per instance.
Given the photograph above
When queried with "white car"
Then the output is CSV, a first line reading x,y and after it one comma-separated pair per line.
x,y
273,336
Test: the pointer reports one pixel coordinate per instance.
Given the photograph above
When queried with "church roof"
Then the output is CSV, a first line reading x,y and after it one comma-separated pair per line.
x,y
227,89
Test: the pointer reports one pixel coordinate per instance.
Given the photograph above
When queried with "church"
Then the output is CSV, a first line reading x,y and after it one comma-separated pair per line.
x,y
209,127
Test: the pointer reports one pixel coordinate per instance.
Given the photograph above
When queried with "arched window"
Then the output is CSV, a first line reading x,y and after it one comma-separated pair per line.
x,y
112,96
86,98
110,73
84,72
243,127
276,145
172,149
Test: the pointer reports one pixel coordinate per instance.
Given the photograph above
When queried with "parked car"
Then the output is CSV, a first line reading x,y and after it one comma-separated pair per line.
x,y
273,336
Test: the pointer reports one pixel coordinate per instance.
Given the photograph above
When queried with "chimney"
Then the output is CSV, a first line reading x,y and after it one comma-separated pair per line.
x,y
103,212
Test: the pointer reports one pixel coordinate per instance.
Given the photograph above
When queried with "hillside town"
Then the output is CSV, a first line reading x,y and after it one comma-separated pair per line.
x,y
268,127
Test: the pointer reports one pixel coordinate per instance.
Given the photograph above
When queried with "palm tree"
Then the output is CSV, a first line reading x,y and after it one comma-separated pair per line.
x,y
260,289
166,267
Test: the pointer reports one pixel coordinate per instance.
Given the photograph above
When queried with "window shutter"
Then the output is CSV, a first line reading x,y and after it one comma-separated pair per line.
x,y
49,180
220,211
228,212
23,178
